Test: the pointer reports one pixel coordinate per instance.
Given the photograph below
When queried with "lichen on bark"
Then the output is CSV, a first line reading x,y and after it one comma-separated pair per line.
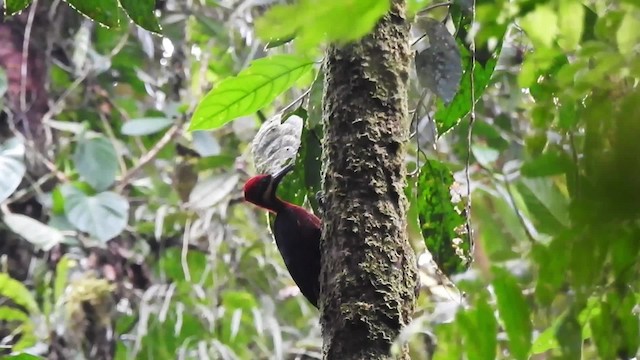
x,y
369,271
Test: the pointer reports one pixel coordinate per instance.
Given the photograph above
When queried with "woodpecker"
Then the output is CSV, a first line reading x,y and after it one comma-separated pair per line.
x,y
296,230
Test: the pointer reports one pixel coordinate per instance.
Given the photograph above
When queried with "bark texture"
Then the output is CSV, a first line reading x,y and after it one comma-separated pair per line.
x,y
368,270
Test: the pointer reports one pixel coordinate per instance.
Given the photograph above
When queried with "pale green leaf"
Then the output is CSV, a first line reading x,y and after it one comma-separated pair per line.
x,y
145,126
103,215
628,36
312,22
96,161
249,91
40,235
541,25
12,166
514,313
18,293
570,23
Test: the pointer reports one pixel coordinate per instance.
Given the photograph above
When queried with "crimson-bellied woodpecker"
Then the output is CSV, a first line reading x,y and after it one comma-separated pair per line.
x,y
297,232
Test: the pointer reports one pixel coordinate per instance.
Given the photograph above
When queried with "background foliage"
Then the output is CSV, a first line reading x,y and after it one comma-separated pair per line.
x,y
121,228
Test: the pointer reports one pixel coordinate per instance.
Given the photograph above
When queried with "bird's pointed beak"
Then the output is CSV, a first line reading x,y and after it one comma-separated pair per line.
x,y
278,176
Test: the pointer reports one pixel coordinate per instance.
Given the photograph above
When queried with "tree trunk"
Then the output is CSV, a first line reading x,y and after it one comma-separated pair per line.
x,y
368,271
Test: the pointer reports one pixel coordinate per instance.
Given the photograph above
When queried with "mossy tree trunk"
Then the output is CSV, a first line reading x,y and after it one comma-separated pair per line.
x,y
369,271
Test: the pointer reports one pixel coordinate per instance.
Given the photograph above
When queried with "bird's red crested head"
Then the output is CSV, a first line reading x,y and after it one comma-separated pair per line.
x,y
261,189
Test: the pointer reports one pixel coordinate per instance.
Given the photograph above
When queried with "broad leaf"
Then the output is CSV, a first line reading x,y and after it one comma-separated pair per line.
x,y
106,12
276,143
96,161
103,215
14,6
514,313
141,12
249,91
442,223
42,236
480,328
18,293
438,62
12,166
312,22
145,126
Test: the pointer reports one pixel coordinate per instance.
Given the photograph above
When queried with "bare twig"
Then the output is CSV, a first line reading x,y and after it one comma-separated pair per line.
x,y
171,134
24,66
434,6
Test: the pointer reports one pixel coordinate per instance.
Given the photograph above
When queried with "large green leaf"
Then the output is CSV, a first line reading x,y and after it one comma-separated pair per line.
x,y
141,12
42,236
103,215
249,91
18,293
106,12
12,166
514,313
14,6
96,161
311,21
442,223
479,328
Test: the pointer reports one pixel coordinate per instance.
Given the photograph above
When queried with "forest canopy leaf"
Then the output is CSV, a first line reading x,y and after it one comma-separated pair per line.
x,y
514,313
141,12
106,12
441,221
12,166
145,126
249,91
96,161
42,236
15,6
104,215
312,21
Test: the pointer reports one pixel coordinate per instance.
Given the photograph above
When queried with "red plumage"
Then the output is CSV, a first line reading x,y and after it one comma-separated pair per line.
x,y
296,230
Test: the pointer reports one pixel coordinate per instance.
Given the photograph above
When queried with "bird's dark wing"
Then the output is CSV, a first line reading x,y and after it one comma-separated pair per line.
x,y
297,234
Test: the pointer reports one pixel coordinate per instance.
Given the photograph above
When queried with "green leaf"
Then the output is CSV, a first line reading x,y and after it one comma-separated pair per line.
x,y
62,273
104,215
571,23
627,35
12,166
249,91
447,116
96,161
141,12
106,12
541,25
15,6
442,223
336,21
480,328
548,164
42,236
546,203
18,293
514,312
145,126
570,338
